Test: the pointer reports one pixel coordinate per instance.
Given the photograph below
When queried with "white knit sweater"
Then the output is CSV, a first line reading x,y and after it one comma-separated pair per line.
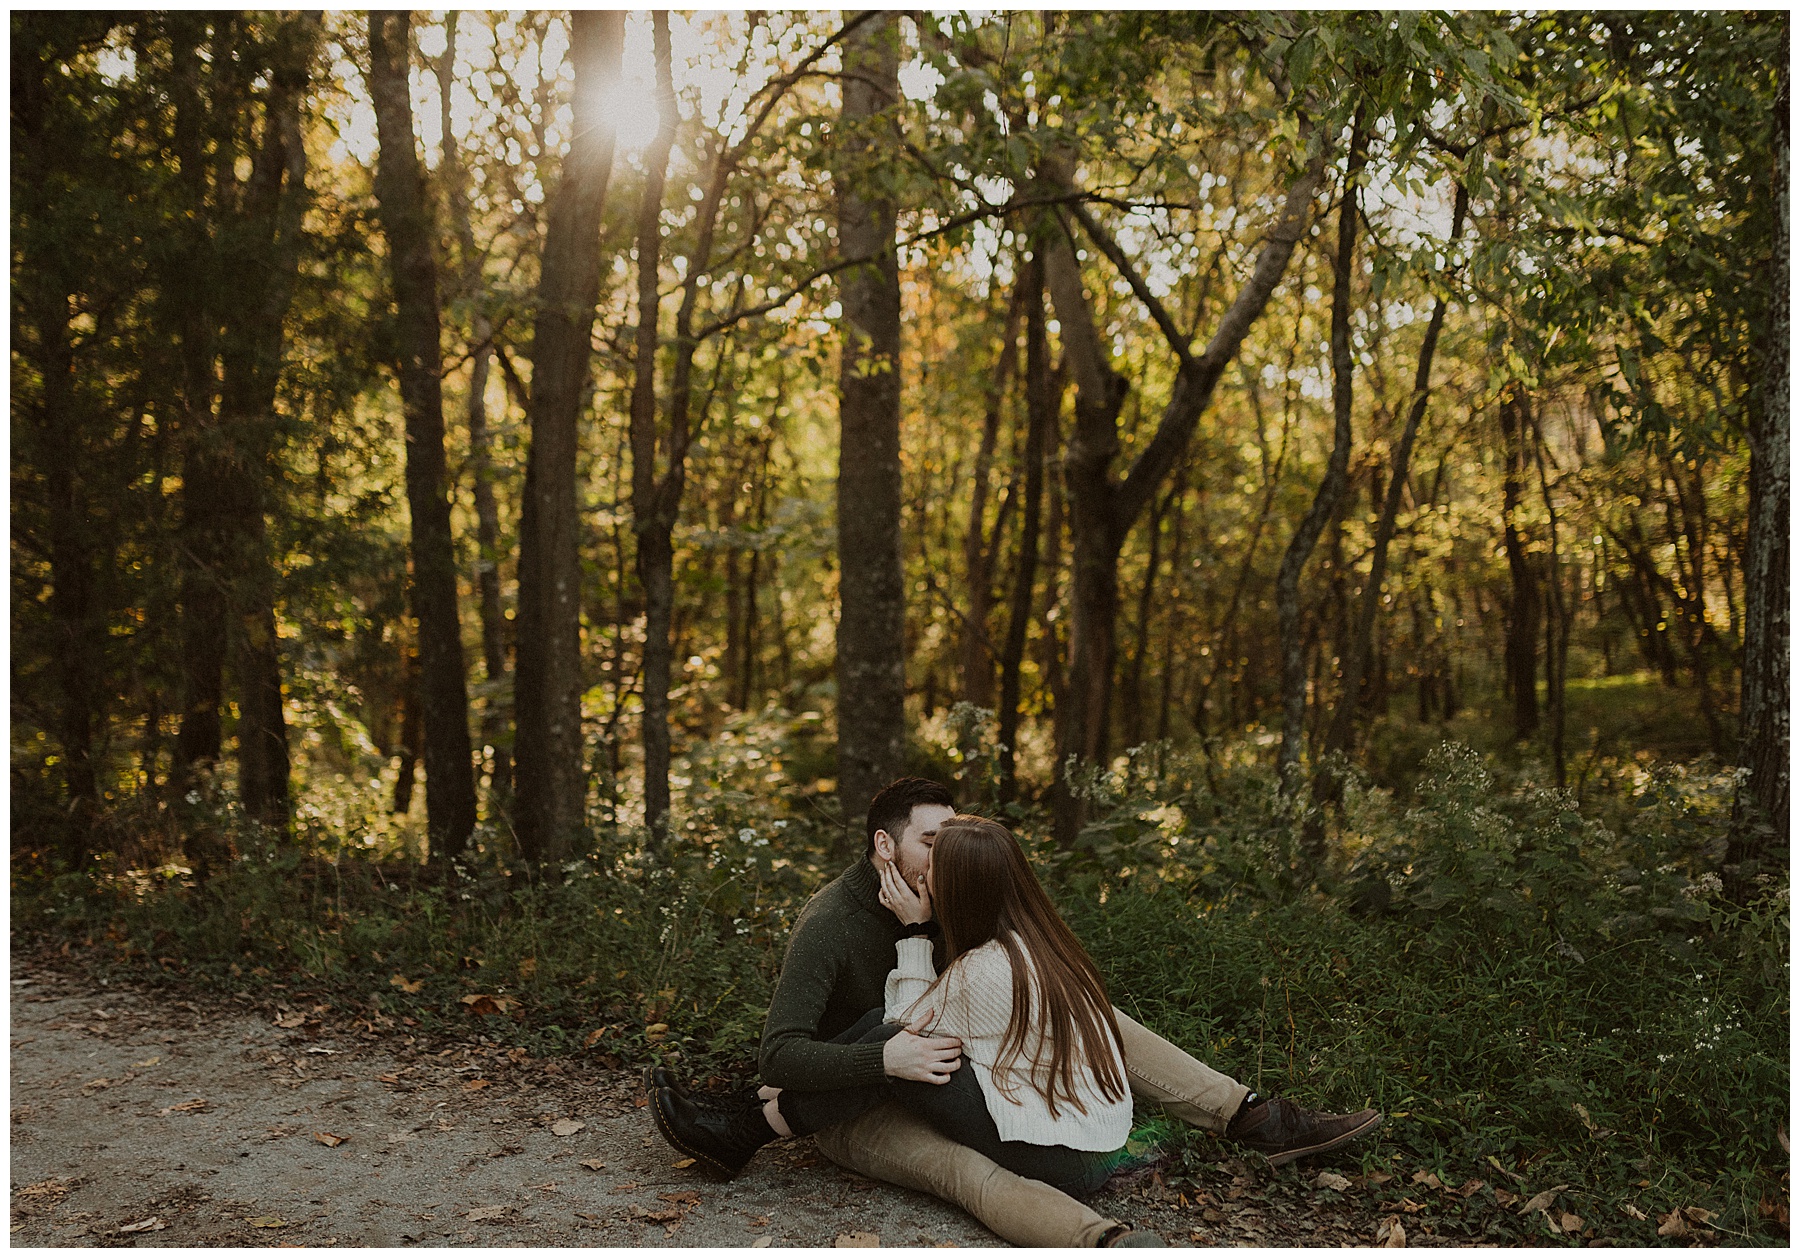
x,y
974,1003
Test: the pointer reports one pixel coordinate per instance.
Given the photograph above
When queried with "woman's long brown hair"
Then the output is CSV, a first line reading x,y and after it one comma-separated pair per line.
x,y
984,890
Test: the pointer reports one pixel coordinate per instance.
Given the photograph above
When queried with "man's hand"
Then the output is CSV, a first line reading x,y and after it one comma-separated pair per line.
x,y
911,905
924,1058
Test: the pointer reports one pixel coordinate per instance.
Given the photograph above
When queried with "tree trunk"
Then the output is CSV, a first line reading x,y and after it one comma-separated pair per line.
x,y
206,477
406,222
871,634
1103,511
550,794
1040,417
654,527
1341,736
275,205
974,653
1759,831
1524,608
481,467
412,732
1134,686
1331,489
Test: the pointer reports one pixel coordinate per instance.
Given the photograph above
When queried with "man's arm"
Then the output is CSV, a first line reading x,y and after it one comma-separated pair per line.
x,y
793,1055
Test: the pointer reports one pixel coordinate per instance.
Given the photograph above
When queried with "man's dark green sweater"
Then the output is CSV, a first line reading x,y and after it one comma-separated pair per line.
x,y
835,971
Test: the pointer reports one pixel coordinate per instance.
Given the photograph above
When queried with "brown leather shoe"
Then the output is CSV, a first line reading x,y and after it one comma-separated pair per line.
x,y
1283,1131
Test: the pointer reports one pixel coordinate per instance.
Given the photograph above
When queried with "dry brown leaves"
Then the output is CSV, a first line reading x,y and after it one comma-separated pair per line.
x,y
1686,1223
487,1005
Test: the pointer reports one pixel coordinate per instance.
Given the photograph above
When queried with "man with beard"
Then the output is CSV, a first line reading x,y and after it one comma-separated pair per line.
x,y
837,963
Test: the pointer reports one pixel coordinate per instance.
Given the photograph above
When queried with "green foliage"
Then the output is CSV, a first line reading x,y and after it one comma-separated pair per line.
x,y
1532,986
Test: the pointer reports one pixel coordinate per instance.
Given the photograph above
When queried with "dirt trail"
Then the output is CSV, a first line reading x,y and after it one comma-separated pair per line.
x,y
143,1117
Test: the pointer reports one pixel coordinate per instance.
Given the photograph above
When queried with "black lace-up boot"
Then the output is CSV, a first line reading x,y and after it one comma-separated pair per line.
x,y
723,1141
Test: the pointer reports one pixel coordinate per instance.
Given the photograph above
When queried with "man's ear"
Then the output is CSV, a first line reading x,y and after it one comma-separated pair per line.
x,y
884,845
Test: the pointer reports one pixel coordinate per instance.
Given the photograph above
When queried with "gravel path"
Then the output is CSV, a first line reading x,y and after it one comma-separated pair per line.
x,y
158,1116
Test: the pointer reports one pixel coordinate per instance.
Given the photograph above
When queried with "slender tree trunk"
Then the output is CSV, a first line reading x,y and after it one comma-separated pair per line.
x,y
1341,736
550,790
1524,608
204,610
488,545
1556,625
1759,831
79,638
1177,622
1040,417
1331,489
1134,685
653,525
412,732
406,222
254,349
974,653
871,635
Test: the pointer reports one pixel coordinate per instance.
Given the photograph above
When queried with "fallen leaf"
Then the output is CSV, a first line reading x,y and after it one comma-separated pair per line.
x,y
1333,1181
148,1225
401,1137
268,1221
1571,1223
1674,1226
858,1240
656,1030
641,1102
762,1242
1632,1212
1697,1215
475,1085
761,1220
412,987
485,1004
96,1085
288,1021
593,1164
680,1198
593,1037
1542,1200
627,1186
1470,1188
1770,1208
567,1126
1503,1197
527,967
148,1061
480,1213
187,1107
683,1164
328,1140
1391,1234
1427,1178
659,1217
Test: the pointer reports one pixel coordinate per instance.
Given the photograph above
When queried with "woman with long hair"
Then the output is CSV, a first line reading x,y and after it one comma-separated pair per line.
x,y
1045,1095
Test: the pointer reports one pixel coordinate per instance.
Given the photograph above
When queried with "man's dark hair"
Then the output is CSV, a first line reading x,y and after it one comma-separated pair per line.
x,y
892,806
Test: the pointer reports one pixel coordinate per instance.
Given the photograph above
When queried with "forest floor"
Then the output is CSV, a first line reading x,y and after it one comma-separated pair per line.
x,y
150,1116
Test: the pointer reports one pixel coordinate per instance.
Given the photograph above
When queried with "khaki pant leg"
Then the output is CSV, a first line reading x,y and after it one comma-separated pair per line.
x,y
892,1144
1188,1088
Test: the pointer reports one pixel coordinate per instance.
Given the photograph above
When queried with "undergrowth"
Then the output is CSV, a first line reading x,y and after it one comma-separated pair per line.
x,y
1535,993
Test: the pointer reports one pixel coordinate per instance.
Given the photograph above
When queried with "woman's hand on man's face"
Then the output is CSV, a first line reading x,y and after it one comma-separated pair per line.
x,y
911,905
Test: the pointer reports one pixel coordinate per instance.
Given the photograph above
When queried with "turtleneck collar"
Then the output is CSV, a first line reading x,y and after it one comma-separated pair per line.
x,y
865,885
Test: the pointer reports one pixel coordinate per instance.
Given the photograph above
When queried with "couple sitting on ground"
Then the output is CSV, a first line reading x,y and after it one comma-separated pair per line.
x,y
866,1036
